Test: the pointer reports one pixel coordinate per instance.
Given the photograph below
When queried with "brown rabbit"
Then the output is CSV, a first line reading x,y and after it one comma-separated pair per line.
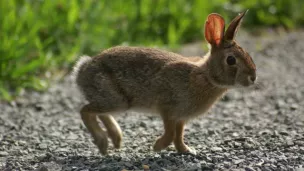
x,y
178,88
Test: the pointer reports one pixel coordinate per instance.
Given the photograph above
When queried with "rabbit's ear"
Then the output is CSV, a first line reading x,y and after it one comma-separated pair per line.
x,y
233,26
214,29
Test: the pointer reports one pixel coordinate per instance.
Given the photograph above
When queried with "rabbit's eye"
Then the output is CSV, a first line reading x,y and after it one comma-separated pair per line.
x,y
231,60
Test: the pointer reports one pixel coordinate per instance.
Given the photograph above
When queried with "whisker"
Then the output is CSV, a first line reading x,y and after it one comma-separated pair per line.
x,y
259,86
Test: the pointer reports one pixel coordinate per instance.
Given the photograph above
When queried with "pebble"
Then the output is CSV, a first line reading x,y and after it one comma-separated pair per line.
x,y
226,154
146,167
235,134
72,136
265,132
38,107
289,143
248,146
22,142
128,164
62,150
216,149
43,146
226,164
209,158
248,127
143,124
236,162
280,103
294,106
284,133
248,168
3,153
237,144
242,139
50,166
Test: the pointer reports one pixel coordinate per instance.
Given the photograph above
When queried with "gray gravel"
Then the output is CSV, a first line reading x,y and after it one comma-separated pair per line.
x,y
249,129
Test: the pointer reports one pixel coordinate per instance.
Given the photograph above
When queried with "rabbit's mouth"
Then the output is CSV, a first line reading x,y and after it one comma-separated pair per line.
x,y
246,82
218,82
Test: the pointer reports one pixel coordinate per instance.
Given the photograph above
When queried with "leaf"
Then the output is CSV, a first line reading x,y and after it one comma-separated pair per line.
x,y
172,34
73,14
24,69
4,94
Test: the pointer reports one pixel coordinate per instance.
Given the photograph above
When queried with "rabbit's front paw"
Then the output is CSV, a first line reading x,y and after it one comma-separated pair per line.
x,y
185,149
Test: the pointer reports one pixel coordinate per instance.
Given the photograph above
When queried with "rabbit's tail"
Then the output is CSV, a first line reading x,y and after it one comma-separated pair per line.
x,y
77,67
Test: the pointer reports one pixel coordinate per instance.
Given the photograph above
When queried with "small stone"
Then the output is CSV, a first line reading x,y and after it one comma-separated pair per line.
x,y
294,106
260,163
63,144
265,132
237,144
72,136
226,154
42,168
42,146
38,107
62,150
216,149
208,158
24,152
300,143
49,166
157,155
3,153
146,167
289,143
241,139
248,146
248,127
248,168
235,134
207,166
275,134
143,124
21,143
280,103
284,133
226,164
128,164
238,161
211,132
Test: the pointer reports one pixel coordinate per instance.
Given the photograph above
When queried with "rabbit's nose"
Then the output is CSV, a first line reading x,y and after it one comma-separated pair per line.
x,y
252,78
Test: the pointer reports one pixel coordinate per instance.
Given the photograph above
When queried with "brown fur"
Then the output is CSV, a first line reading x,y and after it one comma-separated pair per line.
x,y
176,87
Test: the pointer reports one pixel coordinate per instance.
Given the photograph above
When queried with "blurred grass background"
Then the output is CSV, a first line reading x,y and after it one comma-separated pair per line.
x,y
41,38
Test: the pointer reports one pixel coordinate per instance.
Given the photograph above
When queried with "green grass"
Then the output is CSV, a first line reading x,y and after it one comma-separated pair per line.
x,y
40,38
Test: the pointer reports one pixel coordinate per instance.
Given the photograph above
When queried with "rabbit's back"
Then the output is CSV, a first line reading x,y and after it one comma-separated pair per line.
x,y
134,77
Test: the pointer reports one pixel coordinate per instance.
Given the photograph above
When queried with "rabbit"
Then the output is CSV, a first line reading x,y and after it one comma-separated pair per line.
x,y
176,87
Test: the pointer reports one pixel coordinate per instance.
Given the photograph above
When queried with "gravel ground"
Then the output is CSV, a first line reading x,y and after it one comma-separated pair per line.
x,y
249,129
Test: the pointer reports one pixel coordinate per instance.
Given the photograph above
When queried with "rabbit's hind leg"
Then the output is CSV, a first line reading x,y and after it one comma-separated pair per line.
x,y
166,139
105,97
89,117
113,129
